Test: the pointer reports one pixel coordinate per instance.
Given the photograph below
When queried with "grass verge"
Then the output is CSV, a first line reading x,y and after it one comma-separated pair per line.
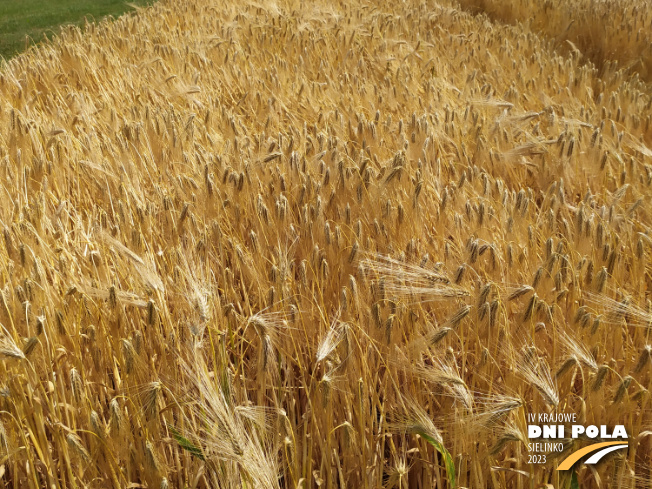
x,y
26,22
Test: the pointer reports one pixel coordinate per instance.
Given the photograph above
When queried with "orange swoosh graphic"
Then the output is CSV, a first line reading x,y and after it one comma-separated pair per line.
x,y
574,457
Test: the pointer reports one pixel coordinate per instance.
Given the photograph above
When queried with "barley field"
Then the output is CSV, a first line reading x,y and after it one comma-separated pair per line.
x,y
610,33
297,244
